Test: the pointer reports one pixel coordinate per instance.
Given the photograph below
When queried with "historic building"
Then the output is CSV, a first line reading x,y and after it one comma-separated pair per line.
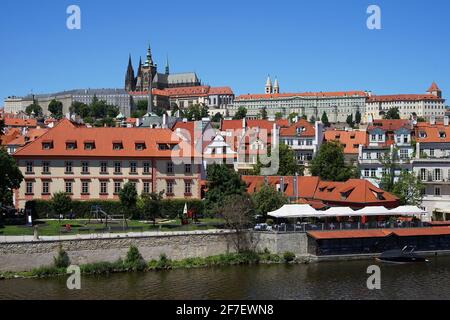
x,y
95,163
337,105
409,105
147,76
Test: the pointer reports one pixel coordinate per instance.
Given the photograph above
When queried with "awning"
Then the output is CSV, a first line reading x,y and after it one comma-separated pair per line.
x,y
373,211
339,212
295,211
408,211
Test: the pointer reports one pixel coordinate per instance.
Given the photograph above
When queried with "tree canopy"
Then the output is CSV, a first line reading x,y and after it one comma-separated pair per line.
x,y
97,113
240,114
288,165
409,189
325,119
392,113
263,113
358,117
61,203
55,108
10,177
128,199
196,112
267,199
35,109
329,163
222,182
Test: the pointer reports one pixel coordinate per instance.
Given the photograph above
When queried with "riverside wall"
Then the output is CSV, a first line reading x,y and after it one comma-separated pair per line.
x,y
24,255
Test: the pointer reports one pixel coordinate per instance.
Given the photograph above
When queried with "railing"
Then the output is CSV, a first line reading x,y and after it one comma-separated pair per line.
x,y
306,227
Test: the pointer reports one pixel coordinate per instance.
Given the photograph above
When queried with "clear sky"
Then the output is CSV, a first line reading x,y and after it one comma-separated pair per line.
x,y
320,45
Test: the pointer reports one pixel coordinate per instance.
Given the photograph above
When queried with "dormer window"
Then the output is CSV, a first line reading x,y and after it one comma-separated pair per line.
x,y
140,145
117,145
166,146
71,145
442,135
47,145
422,134
89,145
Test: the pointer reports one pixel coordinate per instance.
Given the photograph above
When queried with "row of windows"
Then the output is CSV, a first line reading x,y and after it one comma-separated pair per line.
x,y
85,187
104,167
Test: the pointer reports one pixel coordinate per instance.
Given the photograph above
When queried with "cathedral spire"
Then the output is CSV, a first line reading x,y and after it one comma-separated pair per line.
x,y
149,61
167,65
129,78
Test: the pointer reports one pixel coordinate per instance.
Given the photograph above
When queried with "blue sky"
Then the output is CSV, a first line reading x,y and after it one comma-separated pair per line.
x,y
321,45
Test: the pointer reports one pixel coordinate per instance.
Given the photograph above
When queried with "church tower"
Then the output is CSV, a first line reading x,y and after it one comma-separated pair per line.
x,y
130,82
435,91
268,86
167,66
276,87
139,77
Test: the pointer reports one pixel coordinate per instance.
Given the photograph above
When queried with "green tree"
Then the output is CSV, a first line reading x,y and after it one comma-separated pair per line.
x,y
325,119
304,117
390,164
237,212
288,165
61,203
278,115
292,116
10,177
312,119
358,117
392,113
2,126
240,114
329,163
35,109
151,206
196,112
221,183
263,113
350,121
61,260
80,109
267,199
55,108
409,189
128,199
217,117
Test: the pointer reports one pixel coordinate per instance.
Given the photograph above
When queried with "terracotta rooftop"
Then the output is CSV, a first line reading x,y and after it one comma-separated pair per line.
x,y
403,97
426,132
301,128
349,139
17,122
389,124
433,87
305,94
104,138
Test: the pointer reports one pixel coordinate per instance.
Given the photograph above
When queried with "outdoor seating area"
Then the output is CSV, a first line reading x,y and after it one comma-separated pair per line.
x,y
304,218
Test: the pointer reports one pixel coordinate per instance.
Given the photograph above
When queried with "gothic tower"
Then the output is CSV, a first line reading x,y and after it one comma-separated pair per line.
x,y
139,77
268,85
276,87
167,66
130,82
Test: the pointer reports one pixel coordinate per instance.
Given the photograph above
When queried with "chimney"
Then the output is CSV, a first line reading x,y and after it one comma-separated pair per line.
x,y
138,122
164,121
433,120
418,150
185,120
243,123
446,121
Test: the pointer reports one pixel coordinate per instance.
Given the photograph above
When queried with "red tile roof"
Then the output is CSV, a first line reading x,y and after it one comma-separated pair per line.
x,y
433,87
305,94
433,133
306,186
16,122
349,139
308,129
389,124
403,97
104,138
237,124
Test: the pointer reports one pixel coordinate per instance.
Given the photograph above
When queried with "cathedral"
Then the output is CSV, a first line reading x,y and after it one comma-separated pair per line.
x,y
148,77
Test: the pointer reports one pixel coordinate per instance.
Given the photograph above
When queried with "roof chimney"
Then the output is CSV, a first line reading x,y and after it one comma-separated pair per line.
x,y
446,121
433,120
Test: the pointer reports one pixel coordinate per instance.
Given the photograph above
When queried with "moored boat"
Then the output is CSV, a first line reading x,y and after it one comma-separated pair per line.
x,y
405,255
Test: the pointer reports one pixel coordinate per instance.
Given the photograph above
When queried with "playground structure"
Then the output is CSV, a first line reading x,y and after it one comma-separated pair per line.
x,y
103,217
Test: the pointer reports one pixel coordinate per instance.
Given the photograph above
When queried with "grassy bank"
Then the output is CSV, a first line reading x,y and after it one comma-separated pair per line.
x,y
135,263
56,228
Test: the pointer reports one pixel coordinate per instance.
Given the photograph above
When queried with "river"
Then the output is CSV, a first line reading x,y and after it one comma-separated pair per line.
x,y
327,280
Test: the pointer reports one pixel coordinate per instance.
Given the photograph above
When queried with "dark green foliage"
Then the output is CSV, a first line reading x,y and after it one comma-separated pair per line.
x,y
263,113
35,109
358,117
10,177
61,203
268,199
62,259
240,114
56,109
288,165
324,119
134,260
128,198
392,114
196,112
289,256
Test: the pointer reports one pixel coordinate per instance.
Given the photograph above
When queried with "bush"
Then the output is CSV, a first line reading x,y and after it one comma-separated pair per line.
x,y
289,256
102,267
62,259
134,260
47,271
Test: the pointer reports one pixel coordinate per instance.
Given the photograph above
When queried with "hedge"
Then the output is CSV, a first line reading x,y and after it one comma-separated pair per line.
x,y
41,209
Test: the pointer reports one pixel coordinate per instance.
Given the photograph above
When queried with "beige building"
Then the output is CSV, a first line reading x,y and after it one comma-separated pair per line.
x,y
95,163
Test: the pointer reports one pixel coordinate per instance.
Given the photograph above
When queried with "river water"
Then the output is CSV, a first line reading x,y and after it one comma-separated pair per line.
x,y
327,280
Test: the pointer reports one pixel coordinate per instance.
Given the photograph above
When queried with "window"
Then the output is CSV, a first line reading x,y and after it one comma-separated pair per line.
x,y
374,137
117,146
133,167
103,187
369,156
431,152
170,167
188,187
140,146
45,187
380,137
117,187
47,145
366,172
71,145
373,173
103,167
423,174
69,185
89,146
117,167
29,187
437,191
85,167
146,167
404,154
188,168
46,167
29,166
69,167
437,175
85,187
169,187
146,187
